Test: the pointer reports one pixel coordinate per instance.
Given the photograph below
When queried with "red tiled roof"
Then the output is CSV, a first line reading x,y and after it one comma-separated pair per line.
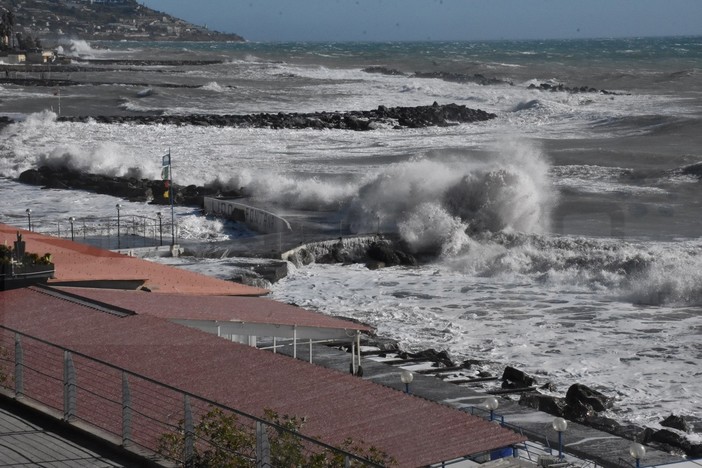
x,y
415,431
216,308
76,262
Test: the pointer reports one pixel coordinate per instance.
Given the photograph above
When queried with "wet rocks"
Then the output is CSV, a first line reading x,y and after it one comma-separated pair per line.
x,y
579,394
131,188
676,422
546,403
515,378
462,78
562,88
396,117
386,254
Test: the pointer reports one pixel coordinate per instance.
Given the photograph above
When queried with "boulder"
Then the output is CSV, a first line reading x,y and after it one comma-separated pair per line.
x,y
581,394
518,378
676,422
385,253
546,403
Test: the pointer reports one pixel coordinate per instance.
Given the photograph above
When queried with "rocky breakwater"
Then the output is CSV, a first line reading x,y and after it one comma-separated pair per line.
x,y
131,187
435,115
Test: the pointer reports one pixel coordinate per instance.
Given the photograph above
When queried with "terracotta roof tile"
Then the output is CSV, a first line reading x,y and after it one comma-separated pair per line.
x,y
76,262
215,308
415,431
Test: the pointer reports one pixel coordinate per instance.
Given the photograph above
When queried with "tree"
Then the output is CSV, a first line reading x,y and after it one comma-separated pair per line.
x,y
222,440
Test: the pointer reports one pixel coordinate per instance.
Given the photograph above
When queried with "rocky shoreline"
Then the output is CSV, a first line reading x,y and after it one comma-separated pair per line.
x,y
580,404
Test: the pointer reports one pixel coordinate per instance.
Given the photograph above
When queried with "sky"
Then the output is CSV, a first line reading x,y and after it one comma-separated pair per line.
x,y
418,20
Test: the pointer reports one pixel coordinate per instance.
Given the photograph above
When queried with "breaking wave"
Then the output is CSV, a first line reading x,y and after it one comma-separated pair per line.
x,y
76,48
437,206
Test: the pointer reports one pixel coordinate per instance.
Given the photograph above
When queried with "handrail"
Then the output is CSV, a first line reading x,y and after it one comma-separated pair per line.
x,y
176,390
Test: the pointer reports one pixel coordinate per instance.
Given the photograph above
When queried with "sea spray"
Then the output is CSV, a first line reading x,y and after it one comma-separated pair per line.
x,y
432,204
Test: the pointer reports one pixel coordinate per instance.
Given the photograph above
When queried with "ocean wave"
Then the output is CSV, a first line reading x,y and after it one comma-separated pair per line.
x,y
434,205
213,86
76,48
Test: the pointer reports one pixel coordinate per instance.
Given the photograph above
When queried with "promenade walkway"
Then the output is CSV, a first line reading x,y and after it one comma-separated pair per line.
x,y
581,441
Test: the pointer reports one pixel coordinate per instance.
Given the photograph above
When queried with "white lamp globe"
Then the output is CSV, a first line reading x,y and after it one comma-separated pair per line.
x,y
559,425
637,451
406,377
491,403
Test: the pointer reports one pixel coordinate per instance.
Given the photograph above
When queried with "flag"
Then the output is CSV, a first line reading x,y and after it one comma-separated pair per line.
x,y
166,173
166,160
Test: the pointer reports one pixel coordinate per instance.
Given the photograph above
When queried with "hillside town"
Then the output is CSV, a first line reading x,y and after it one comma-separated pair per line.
x,y
25,21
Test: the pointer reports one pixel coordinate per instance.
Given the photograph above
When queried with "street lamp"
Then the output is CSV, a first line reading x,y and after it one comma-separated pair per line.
x,y
29,218
407,377
491,403
560,425
160,228
71,220
637,451
118,206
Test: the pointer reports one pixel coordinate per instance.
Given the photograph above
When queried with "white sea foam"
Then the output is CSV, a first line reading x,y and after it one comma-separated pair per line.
x,y
213,86
76,48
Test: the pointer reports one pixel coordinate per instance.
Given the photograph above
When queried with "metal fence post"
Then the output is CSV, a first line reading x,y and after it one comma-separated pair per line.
x,y
126,411
19,366
189,432
69,387
263,447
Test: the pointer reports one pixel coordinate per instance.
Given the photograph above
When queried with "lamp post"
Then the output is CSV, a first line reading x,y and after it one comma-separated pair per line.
x,y
491,403
71,220
560,425
118,206
407,377
637,451
160,228
29,218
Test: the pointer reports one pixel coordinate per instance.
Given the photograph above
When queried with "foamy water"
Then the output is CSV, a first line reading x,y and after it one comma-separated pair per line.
x,y
564,239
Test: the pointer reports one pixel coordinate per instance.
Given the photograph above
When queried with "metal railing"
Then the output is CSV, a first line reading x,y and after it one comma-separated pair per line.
x,y
125,232
530,450
139,412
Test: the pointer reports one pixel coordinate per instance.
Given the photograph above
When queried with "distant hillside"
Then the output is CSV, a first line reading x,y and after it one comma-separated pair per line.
x,y
103,20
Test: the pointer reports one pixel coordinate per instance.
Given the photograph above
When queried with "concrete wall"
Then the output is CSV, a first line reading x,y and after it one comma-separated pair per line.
x,y
255,218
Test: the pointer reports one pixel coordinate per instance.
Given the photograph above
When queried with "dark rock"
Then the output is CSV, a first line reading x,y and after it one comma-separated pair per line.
x,y
578,393
548,404
382,252
432,355
383,71
671,439
676,422
32,177
562,88
130,187
396,117
578,411
461,78
549,386
603,424
517,377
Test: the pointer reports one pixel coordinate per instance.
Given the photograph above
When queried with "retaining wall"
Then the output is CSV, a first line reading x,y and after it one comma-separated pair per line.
x,y
255,218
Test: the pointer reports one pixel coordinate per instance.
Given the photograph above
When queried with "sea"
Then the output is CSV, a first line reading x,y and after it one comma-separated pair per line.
x,y
561,237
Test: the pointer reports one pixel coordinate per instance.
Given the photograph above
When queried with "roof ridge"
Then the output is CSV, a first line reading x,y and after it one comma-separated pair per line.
x,y
86,302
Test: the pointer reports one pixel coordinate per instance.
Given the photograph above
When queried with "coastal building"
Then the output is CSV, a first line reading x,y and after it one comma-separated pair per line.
x,y
102,345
